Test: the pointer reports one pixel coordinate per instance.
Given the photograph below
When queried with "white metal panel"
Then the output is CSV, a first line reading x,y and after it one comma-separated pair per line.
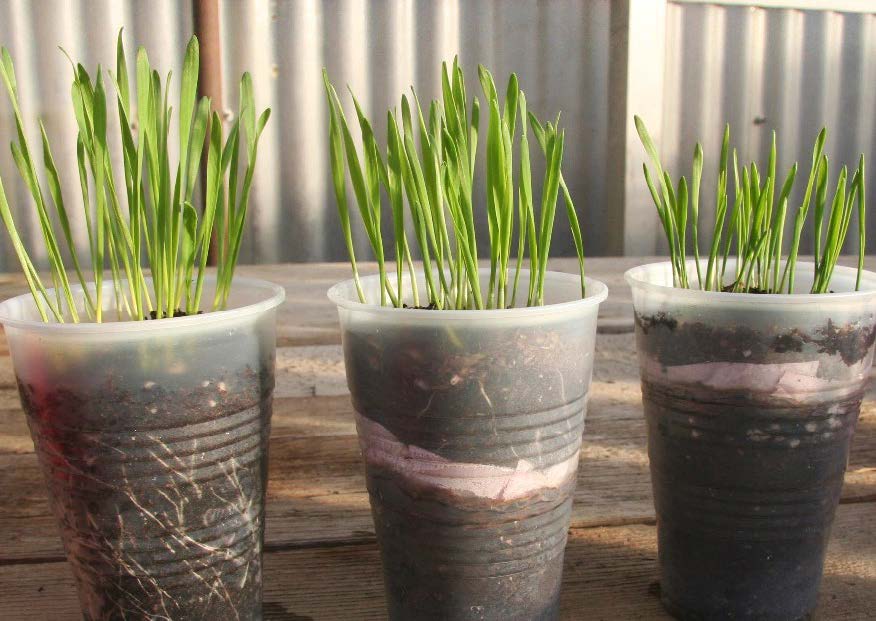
x,y
854,6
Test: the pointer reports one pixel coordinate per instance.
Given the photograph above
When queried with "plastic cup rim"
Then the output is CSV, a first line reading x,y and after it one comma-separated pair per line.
x,y
336,294
273,296
636,278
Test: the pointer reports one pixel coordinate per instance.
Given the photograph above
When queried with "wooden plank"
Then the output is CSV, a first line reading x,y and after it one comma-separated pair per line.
x,y
308,317
321,497
611,573
317,494
317,489
293,416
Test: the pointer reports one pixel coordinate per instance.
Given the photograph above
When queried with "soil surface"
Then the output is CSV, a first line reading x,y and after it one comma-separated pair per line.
x,y
159,493
177,313
757,290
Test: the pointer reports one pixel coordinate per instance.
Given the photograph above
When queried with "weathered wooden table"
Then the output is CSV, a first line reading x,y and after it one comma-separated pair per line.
x,y
321,557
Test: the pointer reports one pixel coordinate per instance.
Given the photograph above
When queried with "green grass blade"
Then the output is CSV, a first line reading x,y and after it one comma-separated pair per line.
x,y
788,274
58,198
396,197
832,238
187,257
862,221
213,196
820,203
188,95
549,205
696,178
338,166
38,291
122,81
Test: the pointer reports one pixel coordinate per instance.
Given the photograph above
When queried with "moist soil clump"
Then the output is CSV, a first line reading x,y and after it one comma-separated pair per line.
x,y
757,290
159,490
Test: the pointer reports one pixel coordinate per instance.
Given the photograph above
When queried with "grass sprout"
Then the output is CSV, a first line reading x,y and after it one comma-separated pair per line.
x,y
153,216
431,188
754,227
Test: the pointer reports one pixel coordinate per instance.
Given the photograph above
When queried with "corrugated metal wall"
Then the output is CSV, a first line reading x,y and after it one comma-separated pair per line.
x,y
758,68
763,69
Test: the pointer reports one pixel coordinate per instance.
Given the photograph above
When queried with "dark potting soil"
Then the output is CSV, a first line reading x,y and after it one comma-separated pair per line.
x,y
746,484
745,496
177,313
454,559
159,493
671,343
432,306
453,396
758,290
472,396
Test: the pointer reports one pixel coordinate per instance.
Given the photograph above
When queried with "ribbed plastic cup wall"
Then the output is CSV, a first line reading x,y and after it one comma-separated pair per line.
x,y
470,425
751,402
153,439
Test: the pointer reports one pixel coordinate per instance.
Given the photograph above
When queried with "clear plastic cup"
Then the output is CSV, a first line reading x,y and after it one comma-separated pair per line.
x,y
470,425
751,402
152,437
